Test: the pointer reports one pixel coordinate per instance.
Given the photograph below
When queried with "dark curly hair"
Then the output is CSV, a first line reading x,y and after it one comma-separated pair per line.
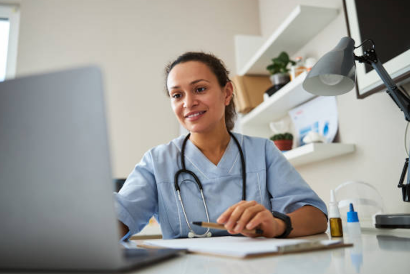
x,y
218,68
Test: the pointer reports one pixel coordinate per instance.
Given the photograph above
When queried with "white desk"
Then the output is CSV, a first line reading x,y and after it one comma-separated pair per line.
x,y
376,251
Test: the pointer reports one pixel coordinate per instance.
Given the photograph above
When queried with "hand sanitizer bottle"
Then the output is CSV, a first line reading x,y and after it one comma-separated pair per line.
x,y
353,225
335,221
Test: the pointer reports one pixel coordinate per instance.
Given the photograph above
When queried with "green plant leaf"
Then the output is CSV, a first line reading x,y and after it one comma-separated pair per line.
x,y
279,64
288,136
282,136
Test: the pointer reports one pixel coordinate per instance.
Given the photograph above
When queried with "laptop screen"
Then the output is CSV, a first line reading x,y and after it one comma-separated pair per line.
x,y
56,205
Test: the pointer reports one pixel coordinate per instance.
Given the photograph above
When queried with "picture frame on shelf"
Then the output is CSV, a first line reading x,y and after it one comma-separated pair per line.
x,y
386,23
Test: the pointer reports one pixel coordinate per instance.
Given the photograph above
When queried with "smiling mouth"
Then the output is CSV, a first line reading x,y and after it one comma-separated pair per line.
x,y
195,114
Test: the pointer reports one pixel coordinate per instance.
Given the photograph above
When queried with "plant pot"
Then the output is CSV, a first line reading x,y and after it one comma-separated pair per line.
x,y
278,80
283,145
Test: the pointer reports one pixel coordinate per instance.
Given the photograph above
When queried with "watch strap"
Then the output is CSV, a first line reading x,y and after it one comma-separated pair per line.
x,y
286,219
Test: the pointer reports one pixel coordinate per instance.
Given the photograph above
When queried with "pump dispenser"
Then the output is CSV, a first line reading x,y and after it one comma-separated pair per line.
x,y
335,222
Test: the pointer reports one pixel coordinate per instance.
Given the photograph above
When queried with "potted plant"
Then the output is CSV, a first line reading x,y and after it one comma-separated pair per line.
x,y
279,72
283,141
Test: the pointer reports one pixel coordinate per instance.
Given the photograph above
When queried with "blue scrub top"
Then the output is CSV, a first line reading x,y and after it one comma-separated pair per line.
x,y
149,190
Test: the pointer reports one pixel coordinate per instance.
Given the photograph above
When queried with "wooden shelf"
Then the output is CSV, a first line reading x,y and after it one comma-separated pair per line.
x,y
317,152
303,23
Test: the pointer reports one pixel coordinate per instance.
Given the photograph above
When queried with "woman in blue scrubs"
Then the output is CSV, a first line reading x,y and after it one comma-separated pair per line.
x,y
240,181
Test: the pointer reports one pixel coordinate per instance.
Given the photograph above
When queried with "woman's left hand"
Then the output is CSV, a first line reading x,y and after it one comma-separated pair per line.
x,y
251,215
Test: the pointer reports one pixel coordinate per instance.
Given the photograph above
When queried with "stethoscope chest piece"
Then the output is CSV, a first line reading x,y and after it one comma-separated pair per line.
x,y
192,234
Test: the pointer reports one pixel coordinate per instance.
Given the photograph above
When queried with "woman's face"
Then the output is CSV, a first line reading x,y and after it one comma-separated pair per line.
x,y
197,99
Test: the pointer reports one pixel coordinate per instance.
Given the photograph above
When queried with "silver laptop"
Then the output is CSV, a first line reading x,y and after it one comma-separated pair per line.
x,y
56,202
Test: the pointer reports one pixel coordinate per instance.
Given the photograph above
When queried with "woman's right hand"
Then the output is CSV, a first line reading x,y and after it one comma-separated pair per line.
x,y
251,215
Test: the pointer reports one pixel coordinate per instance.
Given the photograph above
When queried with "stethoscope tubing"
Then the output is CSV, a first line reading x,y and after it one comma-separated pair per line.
x,y
243,167
198,182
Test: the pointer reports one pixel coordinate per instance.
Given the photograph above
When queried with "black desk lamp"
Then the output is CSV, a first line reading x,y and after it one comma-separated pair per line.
x,y
334,74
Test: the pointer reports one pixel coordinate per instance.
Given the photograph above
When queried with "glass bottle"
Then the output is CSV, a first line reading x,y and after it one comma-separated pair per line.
x,y
335,222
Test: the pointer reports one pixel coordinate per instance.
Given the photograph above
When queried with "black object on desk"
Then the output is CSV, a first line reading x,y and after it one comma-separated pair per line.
x,y
392,221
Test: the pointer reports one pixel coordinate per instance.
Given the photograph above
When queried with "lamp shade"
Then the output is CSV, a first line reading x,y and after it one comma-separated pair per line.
x,y
334,73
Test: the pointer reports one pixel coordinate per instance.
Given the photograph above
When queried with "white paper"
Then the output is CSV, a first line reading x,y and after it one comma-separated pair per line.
x,y
231,245
318,115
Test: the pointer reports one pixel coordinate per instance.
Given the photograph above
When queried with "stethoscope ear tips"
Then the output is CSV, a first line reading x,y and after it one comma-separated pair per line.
x,y
191,234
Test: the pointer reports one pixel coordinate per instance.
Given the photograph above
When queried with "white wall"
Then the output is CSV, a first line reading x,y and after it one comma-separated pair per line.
x,y
132,40
375,124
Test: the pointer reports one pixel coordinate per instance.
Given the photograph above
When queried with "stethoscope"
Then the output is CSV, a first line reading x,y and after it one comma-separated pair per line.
x,y
192,233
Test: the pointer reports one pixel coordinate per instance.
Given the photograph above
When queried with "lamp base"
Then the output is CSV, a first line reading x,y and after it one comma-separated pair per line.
x,y
393,221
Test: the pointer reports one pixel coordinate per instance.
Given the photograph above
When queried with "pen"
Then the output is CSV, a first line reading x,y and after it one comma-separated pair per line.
x,y
221,226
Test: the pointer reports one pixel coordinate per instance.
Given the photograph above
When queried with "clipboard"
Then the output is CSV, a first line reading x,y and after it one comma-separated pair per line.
x,y
244,247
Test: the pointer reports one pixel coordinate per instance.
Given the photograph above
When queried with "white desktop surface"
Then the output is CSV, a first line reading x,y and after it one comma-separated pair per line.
x,y
375,251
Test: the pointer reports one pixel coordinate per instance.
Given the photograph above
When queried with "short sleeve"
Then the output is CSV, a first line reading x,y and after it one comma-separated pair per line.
x,y
289,191
137,201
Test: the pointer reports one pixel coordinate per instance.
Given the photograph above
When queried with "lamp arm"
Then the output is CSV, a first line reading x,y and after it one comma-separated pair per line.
x,y
404,104
397,95
401,100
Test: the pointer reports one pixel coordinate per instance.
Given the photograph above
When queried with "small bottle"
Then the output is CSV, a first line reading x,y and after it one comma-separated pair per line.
x,y
353,225
335,222
297,69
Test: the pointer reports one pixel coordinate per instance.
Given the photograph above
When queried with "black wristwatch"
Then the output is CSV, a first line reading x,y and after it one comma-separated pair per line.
x,y
287,221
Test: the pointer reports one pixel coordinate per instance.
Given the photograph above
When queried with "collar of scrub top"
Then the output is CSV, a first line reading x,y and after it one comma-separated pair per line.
x,y
192,233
